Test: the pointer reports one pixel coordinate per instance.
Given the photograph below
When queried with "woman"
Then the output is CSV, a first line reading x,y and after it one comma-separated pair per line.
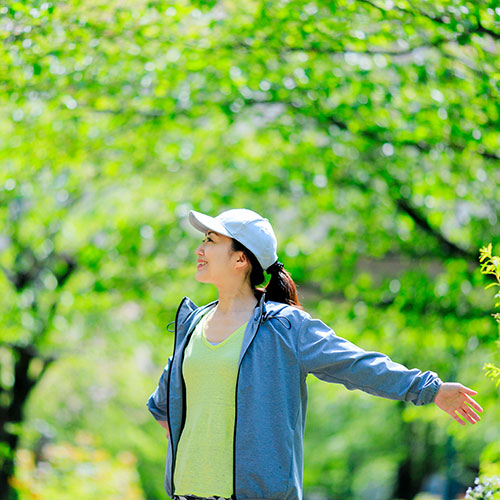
x,y
233,395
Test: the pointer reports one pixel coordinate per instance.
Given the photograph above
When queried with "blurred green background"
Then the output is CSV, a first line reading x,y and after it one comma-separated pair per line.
x,y
366,131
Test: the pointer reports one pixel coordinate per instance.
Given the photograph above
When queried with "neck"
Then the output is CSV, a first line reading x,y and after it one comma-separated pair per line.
x,y
235,301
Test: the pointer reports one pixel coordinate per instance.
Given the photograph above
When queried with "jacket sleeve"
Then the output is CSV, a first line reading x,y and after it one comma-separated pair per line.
x,y
334,359
157,402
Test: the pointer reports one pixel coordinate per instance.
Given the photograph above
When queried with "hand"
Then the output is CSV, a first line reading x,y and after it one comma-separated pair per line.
x,y
164,424
454,399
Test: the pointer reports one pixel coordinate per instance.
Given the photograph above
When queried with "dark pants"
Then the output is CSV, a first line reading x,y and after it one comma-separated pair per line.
x,y
193,497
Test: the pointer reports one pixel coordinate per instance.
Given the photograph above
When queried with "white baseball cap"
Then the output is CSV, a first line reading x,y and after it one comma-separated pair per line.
x,y
246,226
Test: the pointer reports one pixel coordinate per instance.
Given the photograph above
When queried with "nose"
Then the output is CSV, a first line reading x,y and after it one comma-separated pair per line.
x,y
198,252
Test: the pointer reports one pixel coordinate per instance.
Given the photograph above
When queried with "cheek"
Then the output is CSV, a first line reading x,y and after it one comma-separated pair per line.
x,y
221,259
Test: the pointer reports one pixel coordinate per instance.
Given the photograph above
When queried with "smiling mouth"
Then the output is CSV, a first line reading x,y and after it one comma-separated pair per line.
x,y
200,265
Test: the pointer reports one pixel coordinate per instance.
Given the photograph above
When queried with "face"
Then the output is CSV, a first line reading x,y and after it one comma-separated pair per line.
x,y
217,263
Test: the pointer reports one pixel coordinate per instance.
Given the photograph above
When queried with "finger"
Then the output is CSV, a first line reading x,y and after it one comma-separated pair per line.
x,y
457,418
472,414
467,417
473,403
467,390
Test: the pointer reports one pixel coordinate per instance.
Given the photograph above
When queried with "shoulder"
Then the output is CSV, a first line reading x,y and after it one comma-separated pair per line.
x,y
299,320
292,313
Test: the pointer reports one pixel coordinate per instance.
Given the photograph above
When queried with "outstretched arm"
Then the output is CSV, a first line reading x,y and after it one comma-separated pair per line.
x,y
454,399
334,359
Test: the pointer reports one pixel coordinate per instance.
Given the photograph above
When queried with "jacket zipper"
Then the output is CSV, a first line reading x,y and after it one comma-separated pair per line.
x,y
174,455
168,391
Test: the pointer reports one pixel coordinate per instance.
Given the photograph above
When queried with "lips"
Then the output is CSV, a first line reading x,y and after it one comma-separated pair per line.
x,y
201,264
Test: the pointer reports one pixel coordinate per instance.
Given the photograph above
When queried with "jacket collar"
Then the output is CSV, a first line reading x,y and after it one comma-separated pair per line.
x,y
188,315
188,311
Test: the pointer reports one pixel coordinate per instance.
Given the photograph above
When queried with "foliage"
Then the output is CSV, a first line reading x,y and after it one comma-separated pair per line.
x,y
79,470
491,265
487,485
366,131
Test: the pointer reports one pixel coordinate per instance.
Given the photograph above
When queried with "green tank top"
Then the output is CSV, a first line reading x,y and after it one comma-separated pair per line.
x,y
204,459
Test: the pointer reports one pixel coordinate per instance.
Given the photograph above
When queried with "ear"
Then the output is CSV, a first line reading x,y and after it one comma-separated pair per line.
x,y
242,260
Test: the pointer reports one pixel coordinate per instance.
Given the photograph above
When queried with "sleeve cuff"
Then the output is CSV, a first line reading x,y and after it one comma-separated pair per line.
x,y
428,393
154,410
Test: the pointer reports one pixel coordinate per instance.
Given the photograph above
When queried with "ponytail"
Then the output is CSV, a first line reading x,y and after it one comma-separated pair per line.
x,y
280,288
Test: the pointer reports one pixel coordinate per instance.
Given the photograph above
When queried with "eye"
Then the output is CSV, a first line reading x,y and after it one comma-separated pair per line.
x,y
208,238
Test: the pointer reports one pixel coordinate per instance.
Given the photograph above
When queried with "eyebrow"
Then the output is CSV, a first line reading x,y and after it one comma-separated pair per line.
x,y
210,232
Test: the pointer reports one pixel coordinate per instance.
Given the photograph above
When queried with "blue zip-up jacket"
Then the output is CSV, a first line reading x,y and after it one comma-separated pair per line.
x,y
282,344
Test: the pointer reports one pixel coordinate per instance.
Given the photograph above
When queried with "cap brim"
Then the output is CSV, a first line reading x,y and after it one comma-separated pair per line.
x,y
206,223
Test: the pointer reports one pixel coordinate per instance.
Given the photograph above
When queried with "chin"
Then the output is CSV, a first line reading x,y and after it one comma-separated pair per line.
x,y
201,278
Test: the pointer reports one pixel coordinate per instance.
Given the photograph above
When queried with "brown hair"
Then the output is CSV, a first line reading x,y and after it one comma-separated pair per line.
x,y
280,288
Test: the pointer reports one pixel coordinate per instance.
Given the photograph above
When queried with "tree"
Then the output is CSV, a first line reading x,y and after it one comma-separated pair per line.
x,y
367,131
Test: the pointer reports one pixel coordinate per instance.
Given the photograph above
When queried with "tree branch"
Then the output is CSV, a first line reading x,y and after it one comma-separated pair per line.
x,y
343,50
423,223
437,19
417,216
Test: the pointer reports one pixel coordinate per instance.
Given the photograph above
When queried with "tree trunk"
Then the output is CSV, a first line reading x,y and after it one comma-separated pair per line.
x,y
12,413
420,458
